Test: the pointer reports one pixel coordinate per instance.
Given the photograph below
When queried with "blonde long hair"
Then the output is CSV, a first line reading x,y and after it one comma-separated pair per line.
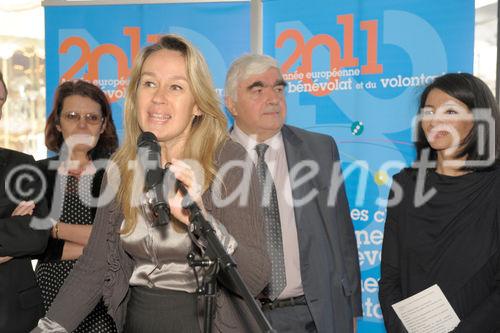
x,y
207,133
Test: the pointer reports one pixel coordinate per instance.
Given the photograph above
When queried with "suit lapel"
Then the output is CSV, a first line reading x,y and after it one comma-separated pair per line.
x,y
3,160
3,168
294,154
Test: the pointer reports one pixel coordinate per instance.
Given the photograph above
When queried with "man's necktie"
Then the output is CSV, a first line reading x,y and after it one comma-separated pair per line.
x,y
272,226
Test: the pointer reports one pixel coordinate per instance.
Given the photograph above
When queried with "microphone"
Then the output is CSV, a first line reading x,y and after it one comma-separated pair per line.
x,y
150,159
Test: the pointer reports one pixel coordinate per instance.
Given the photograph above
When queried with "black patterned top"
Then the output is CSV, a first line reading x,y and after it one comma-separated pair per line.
x,y
76,209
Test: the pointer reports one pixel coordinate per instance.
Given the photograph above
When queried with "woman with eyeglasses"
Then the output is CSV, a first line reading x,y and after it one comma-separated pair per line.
x,y
81,130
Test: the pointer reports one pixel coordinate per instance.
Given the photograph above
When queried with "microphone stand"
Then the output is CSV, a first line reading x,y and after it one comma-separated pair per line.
x,y
223,263
209,288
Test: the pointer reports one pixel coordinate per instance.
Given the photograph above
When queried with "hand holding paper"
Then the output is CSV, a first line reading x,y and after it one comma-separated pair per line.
x,y
427,312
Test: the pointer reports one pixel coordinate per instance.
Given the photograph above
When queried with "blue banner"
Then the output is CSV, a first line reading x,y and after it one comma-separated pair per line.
x,y
354,71
99,43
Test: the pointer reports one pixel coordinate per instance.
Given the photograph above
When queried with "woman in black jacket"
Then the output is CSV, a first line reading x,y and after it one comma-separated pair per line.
x,y
20,300
444,224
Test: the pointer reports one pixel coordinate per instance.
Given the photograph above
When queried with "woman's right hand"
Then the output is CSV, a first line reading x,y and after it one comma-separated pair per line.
x,y
186,175
4,259
24,208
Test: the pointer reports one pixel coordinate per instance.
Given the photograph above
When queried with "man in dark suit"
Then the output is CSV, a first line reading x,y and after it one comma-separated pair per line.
x,y
315,284
20,298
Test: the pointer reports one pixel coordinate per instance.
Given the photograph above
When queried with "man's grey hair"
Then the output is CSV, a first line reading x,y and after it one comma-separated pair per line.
x,y
244,67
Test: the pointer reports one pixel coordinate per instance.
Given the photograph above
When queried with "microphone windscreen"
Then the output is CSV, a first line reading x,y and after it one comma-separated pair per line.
x,y
146,138
148,153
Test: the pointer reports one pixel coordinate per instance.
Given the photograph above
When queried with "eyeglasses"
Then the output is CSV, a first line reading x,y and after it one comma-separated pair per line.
x,y
90,118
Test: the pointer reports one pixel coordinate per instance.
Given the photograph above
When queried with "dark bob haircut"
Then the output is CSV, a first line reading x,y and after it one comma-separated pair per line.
x,y
108,140
475,94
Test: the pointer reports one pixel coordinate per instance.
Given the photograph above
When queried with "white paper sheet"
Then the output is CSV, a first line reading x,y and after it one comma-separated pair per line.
x,y
427,312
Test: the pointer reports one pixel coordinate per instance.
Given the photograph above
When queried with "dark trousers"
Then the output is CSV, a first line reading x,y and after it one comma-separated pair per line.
x,y
291,319
161,311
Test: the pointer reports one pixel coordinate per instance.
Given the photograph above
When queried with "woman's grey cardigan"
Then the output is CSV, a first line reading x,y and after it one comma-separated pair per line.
x,y
104,269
